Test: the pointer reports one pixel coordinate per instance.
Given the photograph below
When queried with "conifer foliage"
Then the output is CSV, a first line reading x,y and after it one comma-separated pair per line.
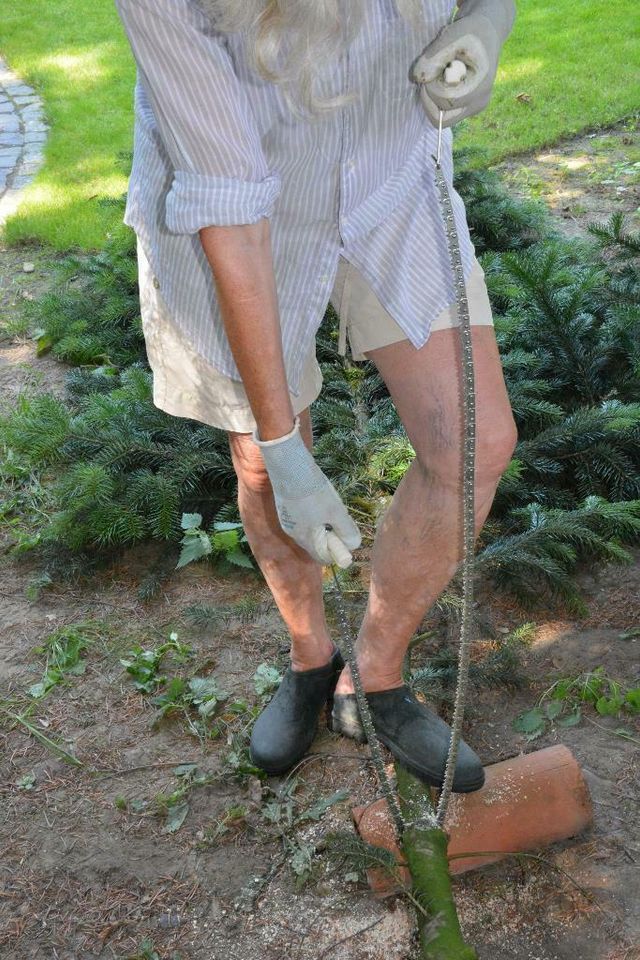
x,y
567,321
92,316
125,470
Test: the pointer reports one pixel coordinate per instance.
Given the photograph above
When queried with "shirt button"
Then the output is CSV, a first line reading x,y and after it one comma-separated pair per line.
x,y
156,283
351,165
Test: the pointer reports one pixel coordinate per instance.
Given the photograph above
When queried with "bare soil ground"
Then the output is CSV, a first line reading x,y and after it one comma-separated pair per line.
x,y
87,865
584,179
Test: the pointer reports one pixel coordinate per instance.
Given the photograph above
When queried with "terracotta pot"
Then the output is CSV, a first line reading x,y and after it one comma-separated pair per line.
x,y
526,802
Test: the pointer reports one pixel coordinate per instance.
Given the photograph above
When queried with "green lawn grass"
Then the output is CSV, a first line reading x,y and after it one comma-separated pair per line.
x,y
575,62
568,65
75,54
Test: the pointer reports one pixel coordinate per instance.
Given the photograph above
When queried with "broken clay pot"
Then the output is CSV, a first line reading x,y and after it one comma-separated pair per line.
x,y
525,803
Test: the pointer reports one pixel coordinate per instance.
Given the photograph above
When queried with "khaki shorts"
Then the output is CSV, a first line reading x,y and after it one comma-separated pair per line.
x,y
186,385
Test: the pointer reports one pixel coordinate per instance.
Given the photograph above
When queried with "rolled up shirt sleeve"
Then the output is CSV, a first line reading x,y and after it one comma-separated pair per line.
x,y
204,117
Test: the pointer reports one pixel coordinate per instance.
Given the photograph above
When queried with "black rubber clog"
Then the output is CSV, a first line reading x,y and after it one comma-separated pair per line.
x,y
414,734
285,729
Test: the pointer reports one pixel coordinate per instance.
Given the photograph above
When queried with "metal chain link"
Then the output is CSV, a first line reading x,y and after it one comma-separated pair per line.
x,y
468,485
364,711
468,526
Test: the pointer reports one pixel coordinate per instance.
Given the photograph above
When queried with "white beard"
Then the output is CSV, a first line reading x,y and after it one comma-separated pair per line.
x,y
310,15
287,38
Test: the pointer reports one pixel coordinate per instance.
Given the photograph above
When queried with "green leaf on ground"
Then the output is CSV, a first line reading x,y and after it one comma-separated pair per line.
x,y
266,679
632,700
176,816
206,694
553,709
532,721
571,720
185,770
320,807
26,782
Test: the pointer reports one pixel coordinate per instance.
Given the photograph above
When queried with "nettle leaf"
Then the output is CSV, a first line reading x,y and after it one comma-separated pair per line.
x,y
265,679
236,707
152,683
572,719
148,686
185,770
171,699
532,721
632,700
203,688
591,685
272,811
562,688
239,558
195,546
300,862
225,540
207,707
176,816
609,706
143,667
190,521
78,669
205,694
317,811
553,709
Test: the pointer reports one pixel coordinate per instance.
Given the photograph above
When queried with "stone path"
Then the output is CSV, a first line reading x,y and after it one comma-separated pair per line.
x,y
23,133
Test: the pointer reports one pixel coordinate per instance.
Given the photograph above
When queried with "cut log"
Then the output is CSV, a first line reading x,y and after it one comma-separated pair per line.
x,y
425,851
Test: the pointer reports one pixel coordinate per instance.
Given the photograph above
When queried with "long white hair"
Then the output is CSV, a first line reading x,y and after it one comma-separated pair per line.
x,y
287,39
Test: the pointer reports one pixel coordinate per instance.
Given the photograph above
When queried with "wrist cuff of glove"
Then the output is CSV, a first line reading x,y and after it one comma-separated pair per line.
x,y
272,443
292,470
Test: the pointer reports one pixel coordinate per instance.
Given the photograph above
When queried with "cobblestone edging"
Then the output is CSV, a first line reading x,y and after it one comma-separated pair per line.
x,y
23,133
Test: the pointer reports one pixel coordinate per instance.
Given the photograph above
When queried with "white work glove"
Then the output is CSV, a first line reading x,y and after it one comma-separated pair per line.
x,y
307,501
475,39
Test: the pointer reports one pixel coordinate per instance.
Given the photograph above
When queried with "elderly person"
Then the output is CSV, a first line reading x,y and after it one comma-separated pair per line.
x,y
283,160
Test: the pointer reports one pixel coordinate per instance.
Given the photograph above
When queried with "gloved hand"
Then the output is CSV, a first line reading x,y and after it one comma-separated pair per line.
x,y
307,501
475,38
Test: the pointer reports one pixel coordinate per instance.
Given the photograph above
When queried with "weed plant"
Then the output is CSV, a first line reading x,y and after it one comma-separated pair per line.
x,y
563,703
63,651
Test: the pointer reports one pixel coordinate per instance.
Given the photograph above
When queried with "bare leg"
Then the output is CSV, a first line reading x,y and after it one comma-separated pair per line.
x,y
418,544
295,580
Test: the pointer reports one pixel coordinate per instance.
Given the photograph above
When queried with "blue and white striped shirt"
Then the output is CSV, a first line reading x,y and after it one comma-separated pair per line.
x,y
214,143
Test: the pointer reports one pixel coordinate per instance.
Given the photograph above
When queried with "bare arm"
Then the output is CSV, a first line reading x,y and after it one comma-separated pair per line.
x,y
240,258
221,176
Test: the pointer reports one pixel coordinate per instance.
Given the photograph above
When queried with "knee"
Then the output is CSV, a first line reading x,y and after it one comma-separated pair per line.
x,y
494,450
495,444
248,464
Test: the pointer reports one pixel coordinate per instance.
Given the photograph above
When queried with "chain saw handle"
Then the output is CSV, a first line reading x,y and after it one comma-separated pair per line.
x,y
455,72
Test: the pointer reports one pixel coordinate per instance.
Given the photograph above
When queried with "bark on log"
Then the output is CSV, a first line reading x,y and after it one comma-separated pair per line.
x,y
425,851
